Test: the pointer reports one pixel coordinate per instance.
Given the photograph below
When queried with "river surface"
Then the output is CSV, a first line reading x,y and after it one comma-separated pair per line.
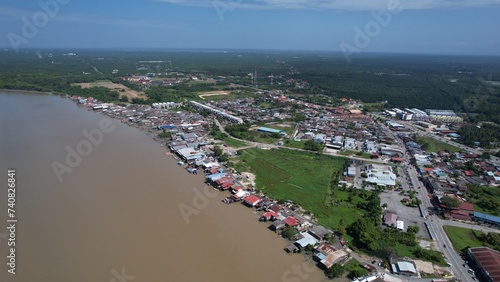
x,y
108,207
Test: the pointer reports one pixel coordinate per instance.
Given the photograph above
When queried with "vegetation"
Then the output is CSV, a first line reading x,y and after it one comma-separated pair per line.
x,y
485,199
463,238
368,235
165,135
432,145
488,135
312,145
450,202
305,179
380,81
294,144
408,81
356,153
289,233
233,142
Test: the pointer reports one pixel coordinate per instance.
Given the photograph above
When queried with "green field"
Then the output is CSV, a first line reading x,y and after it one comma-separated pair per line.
x,y
433,145
295,144
233,142
463,238
355,153
303,178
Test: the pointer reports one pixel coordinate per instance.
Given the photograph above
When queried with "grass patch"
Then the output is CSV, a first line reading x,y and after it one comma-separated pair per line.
x,y
233,142
463,238
355,153
295,144
303,178
355,269
432,145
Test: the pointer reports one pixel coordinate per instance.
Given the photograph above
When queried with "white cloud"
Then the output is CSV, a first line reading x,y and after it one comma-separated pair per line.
x,y
336,5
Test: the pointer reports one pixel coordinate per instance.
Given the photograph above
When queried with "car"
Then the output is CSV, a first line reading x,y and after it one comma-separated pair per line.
x,y
444,245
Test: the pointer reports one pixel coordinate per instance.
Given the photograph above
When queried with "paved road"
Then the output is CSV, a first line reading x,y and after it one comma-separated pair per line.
x,y
420,131
436,226
478,227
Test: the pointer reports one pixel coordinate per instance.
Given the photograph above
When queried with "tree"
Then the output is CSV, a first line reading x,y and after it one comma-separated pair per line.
x,y
365,233
413,229
341,222
335,271
342,230
298,117
312,145
217,150
450,202
165,135
309,249
123,98
357,272
289,233
223,158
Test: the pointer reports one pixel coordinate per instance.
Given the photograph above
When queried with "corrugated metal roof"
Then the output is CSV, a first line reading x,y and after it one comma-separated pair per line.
x,y
487,217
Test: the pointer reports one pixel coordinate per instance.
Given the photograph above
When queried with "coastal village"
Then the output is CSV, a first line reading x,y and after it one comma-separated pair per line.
x,y
381,149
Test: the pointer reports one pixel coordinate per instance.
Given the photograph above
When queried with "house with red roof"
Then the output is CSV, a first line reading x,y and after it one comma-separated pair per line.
x,y
469,173
291,221
390,219
252,200
270,215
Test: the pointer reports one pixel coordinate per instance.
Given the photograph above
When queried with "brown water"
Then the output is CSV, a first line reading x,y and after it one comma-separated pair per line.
x,y
116,216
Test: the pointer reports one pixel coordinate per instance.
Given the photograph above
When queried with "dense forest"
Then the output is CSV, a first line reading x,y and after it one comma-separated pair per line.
x,y
488,135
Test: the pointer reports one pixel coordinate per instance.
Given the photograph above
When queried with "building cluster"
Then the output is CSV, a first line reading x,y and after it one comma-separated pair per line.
x,y
159,117
197,156
343,128
445,116
218,112
450,174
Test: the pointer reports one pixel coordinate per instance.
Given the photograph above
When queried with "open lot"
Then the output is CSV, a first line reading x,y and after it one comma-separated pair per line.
x,y
121,89
433,145
410,216
463,238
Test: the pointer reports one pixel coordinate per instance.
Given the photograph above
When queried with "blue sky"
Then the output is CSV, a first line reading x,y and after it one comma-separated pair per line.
x,y
417,26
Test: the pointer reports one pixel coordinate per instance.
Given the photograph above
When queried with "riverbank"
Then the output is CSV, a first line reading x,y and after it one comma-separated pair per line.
x,y
18,91
119,209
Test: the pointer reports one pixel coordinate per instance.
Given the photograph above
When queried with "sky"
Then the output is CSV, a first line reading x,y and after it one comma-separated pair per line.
x,y
454,27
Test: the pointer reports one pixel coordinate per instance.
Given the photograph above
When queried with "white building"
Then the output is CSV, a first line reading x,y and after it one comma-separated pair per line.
x,y
380,175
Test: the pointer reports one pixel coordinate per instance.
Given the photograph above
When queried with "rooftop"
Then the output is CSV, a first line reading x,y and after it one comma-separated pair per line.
x,y
489,260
